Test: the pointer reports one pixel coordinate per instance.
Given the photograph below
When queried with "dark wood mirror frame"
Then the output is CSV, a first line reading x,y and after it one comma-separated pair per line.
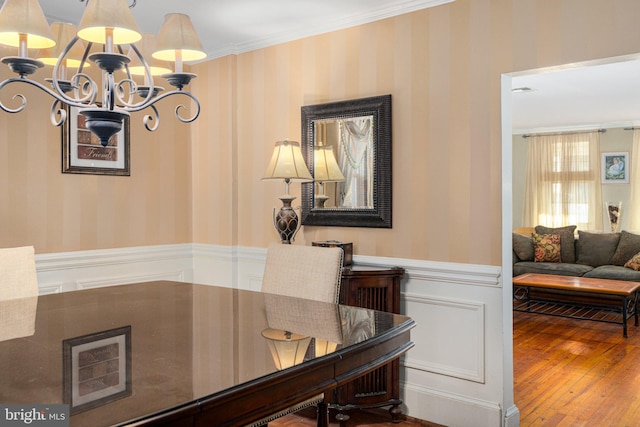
x,y
380,215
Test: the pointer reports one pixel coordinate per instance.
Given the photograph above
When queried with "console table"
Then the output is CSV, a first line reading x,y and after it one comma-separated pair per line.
x,y
377,289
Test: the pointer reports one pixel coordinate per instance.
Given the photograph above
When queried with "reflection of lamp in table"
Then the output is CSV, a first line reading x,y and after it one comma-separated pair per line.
x,y
325,169
287,348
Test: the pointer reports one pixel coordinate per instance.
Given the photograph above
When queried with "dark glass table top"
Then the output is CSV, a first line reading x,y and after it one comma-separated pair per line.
x,y
125,352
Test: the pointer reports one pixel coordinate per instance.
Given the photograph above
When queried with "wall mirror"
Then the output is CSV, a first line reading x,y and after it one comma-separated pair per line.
x,y
347,146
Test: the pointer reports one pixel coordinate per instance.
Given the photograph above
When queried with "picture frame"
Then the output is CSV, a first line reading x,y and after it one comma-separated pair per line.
x,y
82,152
96,369
615,167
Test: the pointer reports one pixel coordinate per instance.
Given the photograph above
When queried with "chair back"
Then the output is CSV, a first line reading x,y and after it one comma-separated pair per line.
x,y
310,272
17,273
18,293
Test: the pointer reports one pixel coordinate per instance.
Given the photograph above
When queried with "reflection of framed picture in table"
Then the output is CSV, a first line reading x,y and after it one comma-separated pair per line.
x,y
96,369
615,168
83,153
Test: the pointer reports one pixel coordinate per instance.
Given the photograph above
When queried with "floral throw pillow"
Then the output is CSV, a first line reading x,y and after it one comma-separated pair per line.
x,y
634,262
546,247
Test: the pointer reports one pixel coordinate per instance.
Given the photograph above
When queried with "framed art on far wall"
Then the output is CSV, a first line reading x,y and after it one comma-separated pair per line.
x,y
615,168
82,152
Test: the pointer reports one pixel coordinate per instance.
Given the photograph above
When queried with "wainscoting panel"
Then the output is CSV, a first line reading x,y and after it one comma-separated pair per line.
x,y
456,345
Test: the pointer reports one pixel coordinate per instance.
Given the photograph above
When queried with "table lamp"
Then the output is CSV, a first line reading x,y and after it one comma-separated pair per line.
x,y
287,164
325,169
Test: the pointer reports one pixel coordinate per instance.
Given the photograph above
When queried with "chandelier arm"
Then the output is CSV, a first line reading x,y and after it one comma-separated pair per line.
x,y
178,108
75,80
148,77
61,112
40,86
89,90
148,118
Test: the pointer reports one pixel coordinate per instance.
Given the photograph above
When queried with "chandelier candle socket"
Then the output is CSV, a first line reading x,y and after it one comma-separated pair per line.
x,y
111,24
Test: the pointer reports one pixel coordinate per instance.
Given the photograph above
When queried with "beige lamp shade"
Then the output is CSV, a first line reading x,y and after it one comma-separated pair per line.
x,y
24,21
178,40
287,348
287,163
63,33
147,46
325,166
102,16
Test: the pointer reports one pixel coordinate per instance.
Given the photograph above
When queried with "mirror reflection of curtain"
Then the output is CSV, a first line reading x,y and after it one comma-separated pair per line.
x,y
355,157
563,181
634,207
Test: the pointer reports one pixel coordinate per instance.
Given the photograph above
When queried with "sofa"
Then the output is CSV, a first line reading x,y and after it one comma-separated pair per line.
x,y
558,251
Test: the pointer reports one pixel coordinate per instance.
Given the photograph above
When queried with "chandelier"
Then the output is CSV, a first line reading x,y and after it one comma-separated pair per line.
x,y
106,27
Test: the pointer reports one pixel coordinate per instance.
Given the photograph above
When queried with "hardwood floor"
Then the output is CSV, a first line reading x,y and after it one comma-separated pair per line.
x,y
568,373
575,373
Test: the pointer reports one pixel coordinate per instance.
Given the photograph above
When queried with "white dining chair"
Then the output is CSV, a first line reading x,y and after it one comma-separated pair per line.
x,y
18,292
17,273
308,272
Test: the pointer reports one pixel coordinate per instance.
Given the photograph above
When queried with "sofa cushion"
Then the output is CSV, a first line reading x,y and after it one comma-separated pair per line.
x,y
596,249
614,272
546,247
628,246
523,247
567,247
559,268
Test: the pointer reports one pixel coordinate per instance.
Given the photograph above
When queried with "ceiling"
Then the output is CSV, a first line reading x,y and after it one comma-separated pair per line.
x,y
578,96
234,26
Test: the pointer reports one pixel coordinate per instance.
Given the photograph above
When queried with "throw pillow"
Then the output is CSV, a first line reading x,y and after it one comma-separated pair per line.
x,y
546,247
567,240
629,246
523,247
596,249
634,262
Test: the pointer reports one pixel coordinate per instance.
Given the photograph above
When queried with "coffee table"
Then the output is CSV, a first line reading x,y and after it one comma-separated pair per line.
x,y
617,307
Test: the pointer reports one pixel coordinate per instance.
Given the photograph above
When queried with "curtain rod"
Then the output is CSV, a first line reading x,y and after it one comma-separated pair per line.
x,y
529,135
631,128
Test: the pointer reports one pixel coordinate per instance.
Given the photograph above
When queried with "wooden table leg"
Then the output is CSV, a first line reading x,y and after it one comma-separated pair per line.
x,y
624,316
323,414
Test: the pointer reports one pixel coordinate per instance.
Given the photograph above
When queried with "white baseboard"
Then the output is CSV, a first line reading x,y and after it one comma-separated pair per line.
x,y
450,409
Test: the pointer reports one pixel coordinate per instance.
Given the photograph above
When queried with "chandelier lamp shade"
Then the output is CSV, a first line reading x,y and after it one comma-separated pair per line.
x,y
106,29
287,163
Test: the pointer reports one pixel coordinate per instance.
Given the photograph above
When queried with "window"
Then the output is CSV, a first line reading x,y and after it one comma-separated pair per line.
x,y
563,181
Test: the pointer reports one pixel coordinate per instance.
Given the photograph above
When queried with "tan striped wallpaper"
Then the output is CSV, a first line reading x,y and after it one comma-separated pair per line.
x,y
442,67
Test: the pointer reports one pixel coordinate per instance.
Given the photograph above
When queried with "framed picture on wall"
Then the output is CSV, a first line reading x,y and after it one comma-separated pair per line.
x,y
96,369
83,153
615,168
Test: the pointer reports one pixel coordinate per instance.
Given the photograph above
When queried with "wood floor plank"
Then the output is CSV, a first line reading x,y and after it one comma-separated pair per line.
x,y
572,373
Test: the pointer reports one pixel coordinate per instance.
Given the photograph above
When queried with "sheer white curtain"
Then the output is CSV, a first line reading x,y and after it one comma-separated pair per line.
x,y
634,209
563,181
